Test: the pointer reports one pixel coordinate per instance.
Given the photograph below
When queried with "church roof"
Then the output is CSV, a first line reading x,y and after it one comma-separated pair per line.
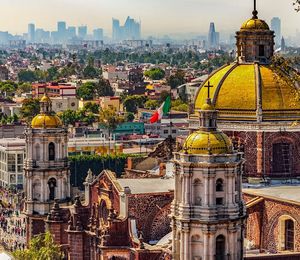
x,y
142,186
255,24
288,193
240,90
46,121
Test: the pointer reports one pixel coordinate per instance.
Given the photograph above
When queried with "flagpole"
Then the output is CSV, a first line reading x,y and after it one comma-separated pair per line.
x,y
170,121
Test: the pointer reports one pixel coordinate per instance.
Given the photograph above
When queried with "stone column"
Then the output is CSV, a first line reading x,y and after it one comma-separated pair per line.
x,y
212,246
259,167
206,190
187,189
211,191
205,245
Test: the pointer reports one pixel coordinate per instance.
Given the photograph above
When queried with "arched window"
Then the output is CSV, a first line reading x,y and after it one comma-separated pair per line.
x,y
51,151
103,211
219,185
220,247
289,235
52,186
282,158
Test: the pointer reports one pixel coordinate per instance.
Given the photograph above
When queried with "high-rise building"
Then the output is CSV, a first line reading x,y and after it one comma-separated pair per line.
x,y
115,29
130,31
212,37
82,31
61,31
98,34
71,32
31,32
276,27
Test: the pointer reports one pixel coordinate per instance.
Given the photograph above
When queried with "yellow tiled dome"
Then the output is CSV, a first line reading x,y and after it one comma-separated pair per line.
x,y
235,93
201,142
255,24
46,121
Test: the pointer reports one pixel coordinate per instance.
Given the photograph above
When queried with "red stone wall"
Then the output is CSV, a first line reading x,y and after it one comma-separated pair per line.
x,y
151,214
267,214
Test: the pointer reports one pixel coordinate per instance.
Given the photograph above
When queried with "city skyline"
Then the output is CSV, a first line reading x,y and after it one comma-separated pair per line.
x,y
192,16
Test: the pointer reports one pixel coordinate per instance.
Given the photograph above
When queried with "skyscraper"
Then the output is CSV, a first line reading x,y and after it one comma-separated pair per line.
x,y
82,32
71,32
61,31
130,31
115,29
31,32
98,34
276,27
212,41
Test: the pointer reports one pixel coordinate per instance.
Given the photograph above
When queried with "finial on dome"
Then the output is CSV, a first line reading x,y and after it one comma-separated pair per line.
x,y
255,13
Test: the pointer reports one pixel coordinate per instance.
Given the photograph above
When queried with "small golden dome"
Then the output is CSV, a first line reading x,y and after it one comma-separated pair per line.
x,y
45,99
46,121
255,24
207,107
201,142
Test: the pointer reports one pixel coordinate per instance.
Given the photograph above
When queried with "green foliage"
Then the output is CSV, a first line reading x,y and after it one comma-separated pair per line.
x,y
177,79
7,88
152,104
91,107
24,88
30,108
41,247
179,105
27,76
80,164
129,117
133,102
53,74
155,73
90,72
110,119
86,91
69,117
103,88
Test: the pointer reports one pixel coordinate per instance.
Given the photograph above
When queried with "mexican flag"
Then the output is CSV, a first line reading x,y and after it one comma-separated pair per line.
x,y
162,110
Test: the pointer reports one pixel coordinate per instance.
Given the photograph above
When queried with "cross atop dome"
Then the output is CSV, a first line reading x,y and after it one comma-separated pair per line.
x,y
254,11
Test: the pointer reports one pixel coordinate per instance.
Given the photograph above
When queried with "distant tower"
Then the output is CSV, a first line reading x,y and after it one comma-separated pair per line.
x,y
282,45
31,32
115,30
276,27
208,212
46,167
212,41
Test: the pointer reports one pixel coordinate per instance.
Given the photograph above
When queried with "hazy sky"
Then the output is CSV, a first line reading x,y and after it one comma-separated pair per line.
x,y
158,16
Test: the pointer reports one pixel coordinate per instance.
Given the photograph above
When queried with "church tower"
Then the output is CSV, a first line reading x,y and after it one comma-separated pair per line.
x,y
46,167
208,212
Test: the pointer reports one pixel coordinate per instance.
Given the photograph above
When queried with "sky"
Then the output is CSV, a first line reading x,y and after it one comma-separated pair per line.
x,y
158,17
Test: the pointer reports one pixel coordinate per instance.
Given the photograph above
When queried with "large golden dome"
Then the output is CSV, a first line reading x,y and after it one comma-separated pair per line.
x,y
255,24
46,121
241,91
203,142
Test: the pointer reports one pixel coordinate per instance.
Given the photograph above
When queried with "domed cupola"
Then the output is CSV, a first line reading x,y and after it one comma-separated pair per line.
x,y
255,41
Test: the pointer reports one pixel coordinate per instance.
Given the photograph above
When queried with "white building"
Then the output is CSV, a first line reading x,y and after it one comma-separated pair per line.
x,y
12,154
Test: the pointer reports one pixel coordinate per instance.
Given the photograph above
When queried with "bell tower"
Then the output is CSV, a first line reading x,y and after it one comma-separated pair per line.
x,y
208,212
255,40
46,167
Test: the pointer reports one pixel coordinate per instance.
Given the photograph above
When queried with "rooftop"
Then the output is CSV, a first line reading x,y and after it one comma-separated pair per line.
x,y
283,192
142,186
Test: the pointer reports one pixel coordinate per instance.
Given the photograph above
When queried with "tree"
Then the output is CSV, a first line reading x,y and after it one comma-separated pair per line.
x,y
27,76
41,247
24,88
69,117
177,79
7,89
30,108
129,117
110,119
86,91
296,4
155,73
53,74
132,103
91,107
103,88
151,104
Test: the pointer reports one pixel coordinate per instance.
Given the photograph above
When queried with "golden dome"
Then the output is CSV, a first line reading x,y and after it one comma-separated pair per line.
x,y
237,94
201,142
255,24
46,121
207,107
45,98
